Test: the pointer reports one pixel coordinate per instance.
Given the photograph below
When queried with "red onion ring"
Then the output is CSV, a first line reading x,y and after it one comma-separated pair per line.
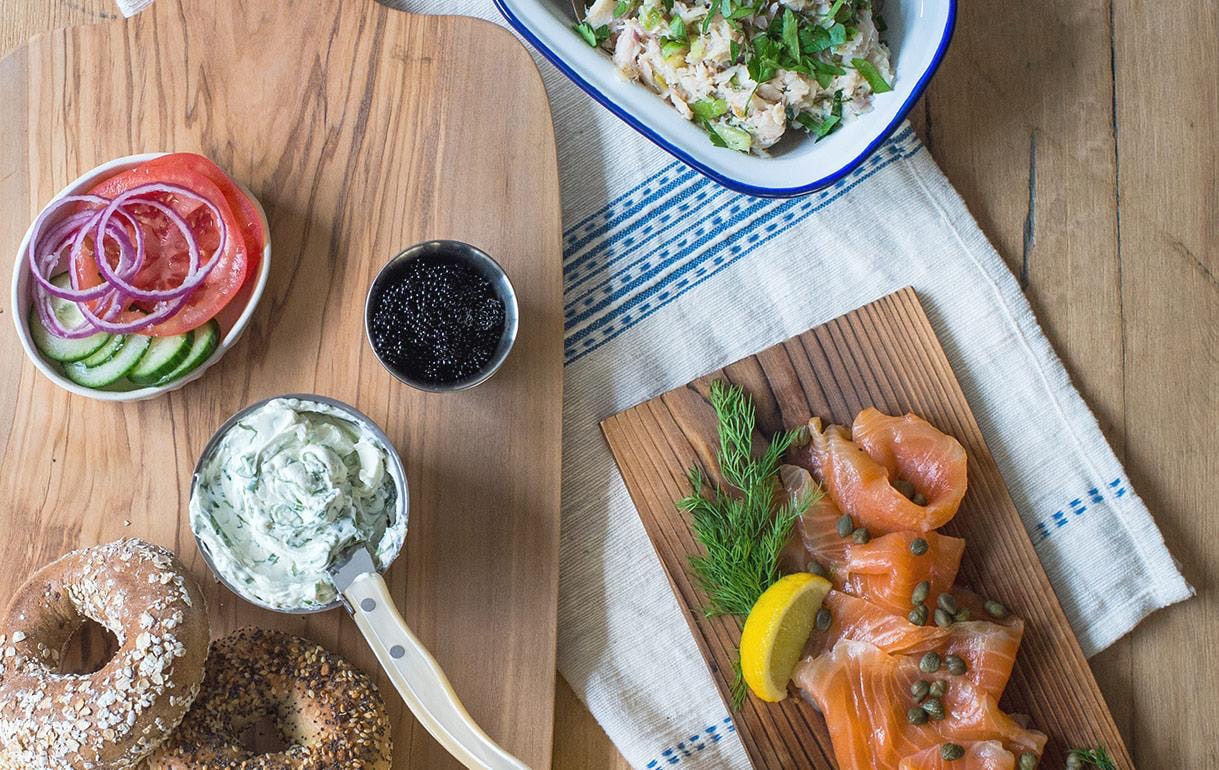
x,y
113,219
195,274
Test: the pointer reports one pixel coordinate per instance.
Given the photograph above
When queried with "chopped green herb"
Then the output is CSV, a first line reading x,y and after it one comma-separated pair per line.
x,y
708,109
818,127
734,50
814,39
713,8
872,75
837,33
623,8
594,36
832,13
791,33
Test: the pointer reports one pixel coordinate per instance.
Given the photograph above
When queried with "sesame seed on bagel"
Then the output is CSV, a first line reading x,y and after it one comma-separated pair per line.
x,y
328,712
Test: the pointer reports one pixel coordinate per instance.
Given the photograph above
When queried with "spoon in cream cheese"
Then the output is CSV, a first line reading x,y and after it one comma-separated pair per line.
x,y
298,503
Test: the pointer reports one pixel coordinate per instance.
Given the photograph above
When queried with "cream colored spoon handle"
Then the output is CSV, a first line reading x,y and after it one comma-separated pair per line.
x,y
419,679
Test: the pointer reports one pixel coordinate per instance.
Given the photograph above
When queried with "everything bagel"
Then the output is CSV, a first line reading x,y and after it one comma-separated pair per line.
x,y
114,717
328,712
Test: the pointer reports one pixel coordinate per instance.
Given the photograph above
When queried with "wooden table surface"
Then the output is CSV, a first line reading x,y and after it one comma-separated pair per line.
x,y
1082,135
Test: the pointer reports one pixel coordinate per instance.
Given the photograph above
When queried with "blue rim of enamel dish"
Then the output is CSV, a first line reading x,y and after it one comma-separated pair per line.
x,y
734,184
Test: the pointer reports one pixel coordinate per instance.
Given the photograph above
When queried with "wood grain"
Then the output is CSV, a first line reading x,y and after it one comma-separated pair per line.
x,y
362,130
884,355
1052,86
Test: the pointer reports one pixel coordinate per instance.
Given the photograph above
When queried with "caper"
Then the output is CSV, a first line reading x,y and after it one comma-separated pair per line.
x,y
918,546
929,663
860,536
956,666
938,688
1028,760
942,619
934,708
918,615
905,487
816,568
916,716
951,751
919,595
823,619
995,610
962,615
946,603
846,525
920,689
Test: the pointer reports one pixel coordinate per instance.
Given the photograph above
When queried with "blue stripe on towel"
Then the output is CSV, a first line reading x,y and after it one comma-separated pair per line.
x,y
628,295
691,746
1096,496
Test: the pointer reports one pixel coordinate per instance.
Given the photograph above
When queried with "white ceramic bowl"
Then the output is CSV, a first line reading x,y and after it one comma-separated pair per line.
x,y
233,319
918,35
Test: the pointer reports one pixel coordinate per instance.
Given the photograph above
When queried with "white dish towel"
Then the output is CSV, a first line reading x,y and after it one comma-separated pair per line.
x,y
669,276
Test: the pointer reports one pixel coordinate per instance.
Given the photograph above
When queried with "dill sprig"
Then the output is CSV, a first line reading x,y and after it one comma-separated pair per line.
x,y
739,688
743,529
1097,757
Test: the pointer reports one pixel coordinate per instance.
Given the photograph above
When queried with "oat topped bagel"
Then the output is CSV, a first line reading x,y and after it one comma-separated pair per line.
x,y
327,711
114,717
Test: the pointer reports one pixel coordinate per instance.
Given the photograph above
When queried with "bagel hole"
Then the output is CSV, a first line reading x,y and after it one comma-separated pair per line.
x,y
263,736
88,650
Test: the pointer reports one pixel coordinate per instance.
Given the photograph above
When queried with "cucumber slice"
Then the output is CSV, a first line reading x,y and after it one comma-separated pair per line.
x,y
164,355
105,352
122,362
207,337
69,315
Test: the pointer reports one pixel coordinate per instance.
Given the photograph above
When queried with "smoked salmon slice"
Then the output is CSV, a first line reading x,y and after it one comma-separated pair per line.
x,y
815,536
987,649
886,569
979,755
859,470
862,621
865,695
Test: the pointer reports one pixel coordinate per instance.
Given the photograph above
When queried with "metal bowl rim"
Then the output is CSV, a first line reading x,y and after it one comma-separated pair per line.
x,y
467,253
397,471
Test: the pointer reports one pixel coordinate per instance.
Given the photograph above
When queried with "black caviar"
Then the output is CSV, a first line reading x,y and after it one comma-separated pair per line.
x,y
436,320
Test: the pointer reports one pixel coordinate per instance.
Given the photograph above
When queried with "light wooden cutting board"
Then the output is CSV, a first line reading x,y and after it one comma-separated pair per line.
x,y
885,355
362,130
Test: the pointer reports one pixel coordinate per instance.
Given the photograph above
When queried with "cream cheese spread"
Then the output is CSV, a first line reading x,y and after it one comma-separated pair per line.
x,y
289,489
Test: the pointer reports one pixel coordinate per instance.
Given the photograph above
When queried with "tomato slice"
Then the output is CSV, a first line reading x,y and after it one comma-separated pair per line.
x,y
166,255
240,204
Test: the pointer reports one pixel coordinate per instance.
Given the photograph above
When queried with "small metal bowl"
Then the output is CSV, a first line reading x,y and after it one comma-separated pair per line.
x,y
394,466
462,253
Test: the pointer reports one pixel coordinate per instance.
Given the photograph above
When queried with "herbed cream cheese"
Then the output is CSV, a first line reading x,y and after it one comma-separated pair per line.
x,y
288,489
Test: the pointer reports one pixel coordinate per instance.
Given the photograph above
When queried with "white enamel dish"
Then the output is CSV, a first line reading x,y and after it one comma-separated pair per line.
x,y
233,319
918,35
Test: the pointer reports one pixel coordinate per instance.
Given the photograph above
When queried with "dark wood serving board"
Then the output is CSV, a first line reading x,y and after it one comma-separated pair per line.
x,y
362,130
886,355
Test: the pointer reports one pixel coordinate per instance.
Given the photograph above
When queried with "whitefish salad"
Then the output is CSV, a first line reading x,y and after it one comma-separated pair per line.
x,y
290,488
747,71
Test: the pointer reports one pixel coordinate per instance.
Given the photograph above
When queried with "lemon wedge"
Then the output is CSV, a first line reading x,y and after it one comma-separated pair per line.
x,y
776,631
